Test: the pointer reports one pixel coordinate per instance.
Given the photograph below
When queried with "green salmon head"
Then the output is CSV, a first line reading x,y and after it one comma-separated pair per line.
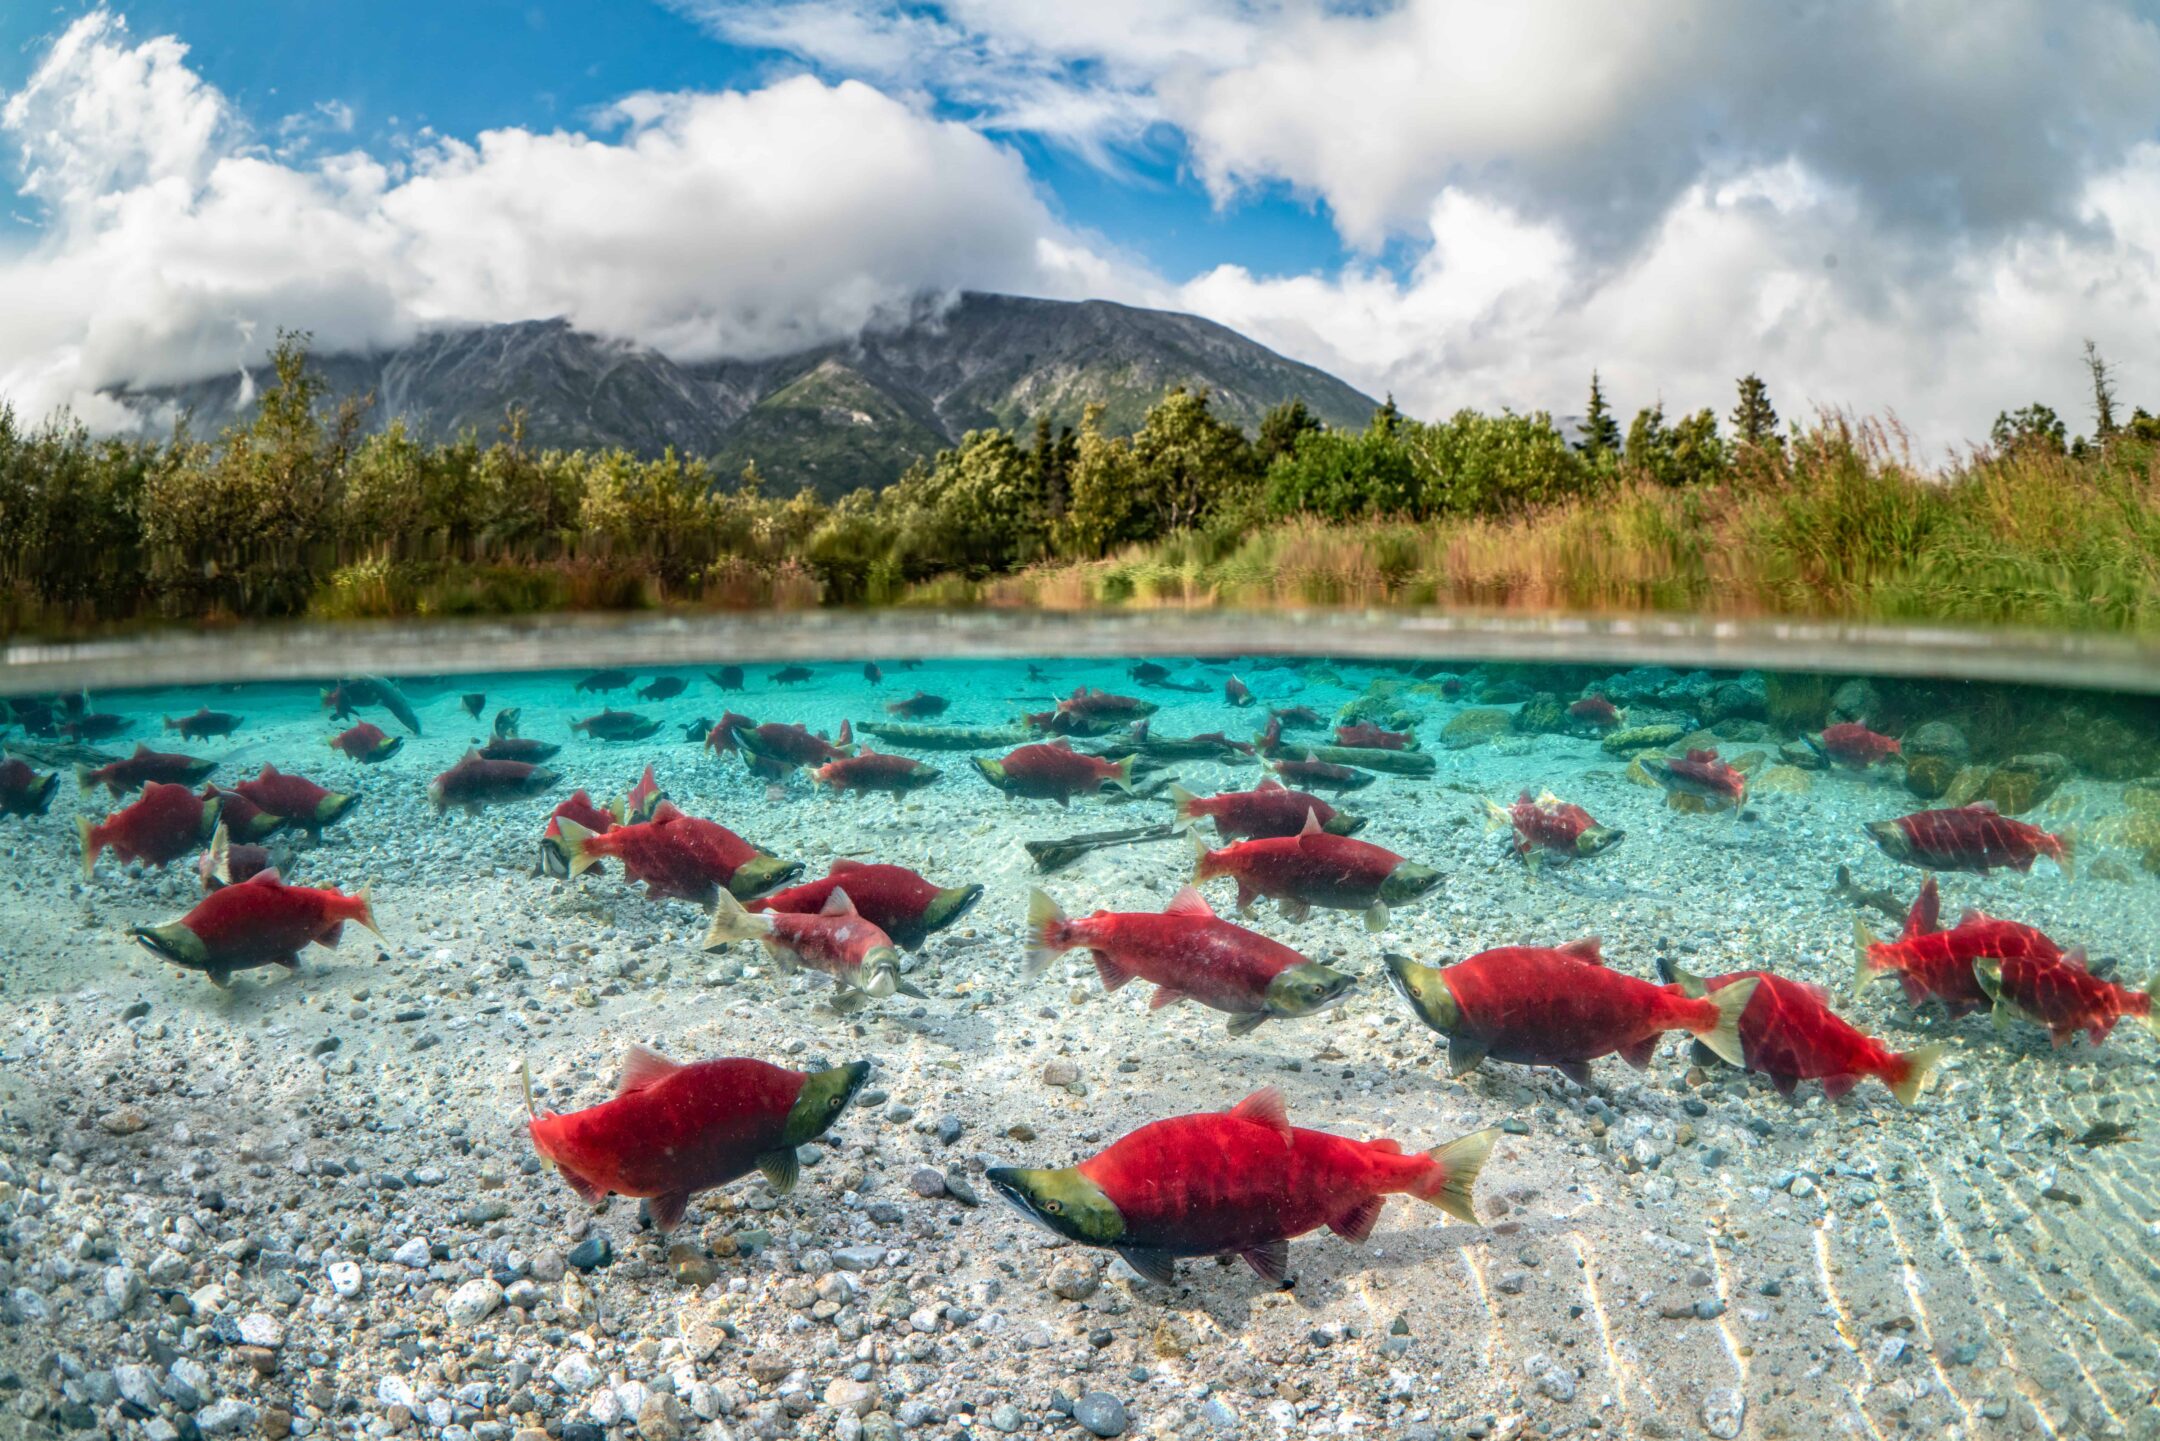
x,y
333,807
1302,990
760,874
1407,882
1341,824
1425,990
1892,838
878,975
824,1095
1598,838
1064,1201
172,941
993,772
949,905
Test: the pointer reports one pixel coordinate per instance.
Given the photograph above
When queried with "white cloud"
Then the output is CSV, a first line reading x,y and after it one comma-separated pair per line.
x,y
737,223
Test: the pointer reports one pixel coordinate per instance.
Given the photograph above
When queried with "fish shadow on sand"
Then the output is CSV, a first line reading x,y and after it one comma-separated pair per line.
x,y
1326,1272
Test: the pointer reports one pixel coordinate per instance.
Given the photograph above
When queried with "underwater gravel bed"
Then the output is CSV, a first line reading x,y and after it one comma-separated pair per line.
x,y
307,1206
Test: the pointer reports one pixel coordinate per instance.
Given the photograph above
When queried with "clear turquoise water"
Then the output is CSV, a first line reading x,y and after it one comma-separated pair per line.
x,y
1662,1251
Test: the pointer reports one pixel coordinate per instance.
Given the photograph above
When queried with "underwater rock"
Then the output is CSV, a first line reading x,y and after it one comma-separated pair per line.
x,y
1637,739
1801,756
1543,714
1748,762
1734,730
2143,795
1475,727
2100,744
1856,700
2022,782
1964,787
1783,780
1745,698
1385,702
1637,774
1934,753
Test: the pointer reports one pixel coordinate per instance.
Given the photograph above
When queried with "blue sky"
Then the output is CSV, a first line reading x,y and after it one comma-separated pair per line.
x,y
460,68
1461,203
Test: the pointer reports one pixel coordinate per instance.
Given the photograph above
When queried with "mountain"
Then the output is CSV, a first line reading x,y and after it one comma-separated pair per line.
x,y
836,416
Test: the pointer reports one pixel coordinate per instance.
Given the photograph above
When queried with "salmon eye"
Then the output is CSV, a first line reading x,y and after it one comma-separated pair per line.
x,y
1054,1207
834,1103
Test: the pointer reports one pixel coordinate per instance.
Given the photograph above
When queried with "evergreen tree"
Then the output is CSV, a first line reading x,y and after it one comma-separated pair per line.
x,y
1600,432
1282,428
1754,419
2034,427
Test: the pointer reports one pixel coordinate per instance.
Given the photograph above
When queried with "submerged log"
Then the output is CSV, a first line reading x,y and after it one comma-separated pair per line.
x,y
945,738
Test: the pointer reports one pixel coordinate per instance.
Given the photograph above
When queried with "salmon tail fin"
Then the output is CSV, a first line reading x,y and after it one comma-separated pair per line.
x,y
730,921
1184,803
1496,815
532,1112
366,898
89,846
2151,1018
1910,1070
1043,918
1454,1171
1723,1035
1864,942
2065,852
1123,778
1200,858
83,782
574,839
620,809
847,734
221,854
1689,983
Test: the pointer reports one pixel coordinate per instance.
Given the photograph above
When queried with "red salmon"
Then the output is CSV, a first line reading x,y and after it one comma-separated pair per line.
x,y
1595,710
476,781
1189,954
1931,962
1699,773
640,801
1549,824
2062,995
1271,810
1967,838
1237,692
837,940
259,922
1054,771
1372,737
875,771
367,743
1313,868
1854,745
582,810
296,799
24,791
893,898
1242,1183
1789,1033
162,824
1561,1007
673,1130
144,766
678,856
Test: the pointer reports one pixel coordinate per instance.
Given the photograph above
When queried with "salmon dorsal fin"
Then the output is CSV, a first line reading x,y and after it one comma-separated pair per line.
x,y
1546,798
665,813
1986,807
1265,1107
267,876
843,864
1702,757
642,1068
1272,784
267,773
143,750
646,781
1061,744
1925,918
1311,826
2075,958
1585,950
472,753
1973,916
837,904
1189,902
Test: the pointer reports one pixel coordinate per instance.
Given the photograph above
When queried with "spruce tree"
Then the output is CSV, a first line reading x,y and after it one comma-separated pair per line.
x,y
1600,432
1754,419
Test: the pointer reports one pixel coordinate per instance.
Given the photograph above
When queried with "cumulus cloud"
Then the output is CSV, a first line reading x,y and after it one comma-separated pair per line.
x,y
703,224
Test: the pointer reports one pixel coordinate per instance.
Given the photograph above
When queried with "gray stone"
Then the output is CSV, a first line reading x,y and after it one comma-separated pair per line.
x,y
1723,1409
473,1302
1101,1413
344,1278
138,1384
223,1418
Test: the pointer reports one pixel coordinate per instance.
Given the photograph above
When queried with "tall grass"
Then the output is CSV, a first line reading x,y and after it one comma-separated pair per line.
x,y
1844,527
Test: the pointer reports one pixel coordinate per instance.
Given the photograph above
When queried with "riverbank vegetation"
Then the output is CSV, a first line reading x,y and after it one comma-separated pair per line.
x,y
305,512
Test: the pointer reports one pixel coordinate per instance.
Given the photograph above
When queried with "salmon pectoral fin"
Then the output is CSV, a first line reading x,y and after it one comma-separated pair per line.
x,y
1465,1053
1576,1071
329,938
666,1209
1295,911
1109,971
780,1169
1787,1086
1915,993
1835,1087
1271,1263
910,990
590,1192
1165,996
1245,1025
1157,1266
1638,1053
1357,1223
